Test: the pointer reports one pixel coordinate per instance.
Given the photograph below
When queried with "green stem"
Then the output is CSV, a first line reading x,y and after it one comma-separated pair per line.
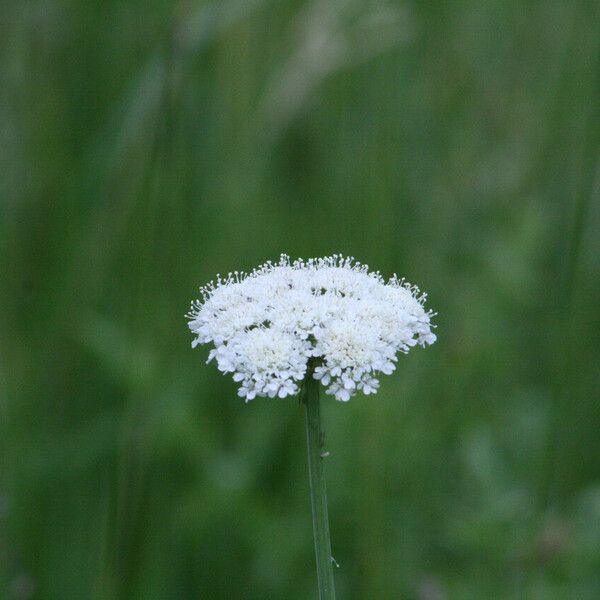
x,y
315,440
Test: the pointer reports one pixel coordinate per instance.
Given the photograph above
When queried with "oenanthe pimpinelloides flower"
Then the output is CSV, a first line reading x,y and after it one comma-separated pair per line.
x,y
267,324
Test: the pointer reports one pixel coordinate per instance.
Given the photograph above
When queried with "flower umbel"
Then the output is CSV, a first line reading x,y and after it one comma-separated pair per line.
x,y
267,324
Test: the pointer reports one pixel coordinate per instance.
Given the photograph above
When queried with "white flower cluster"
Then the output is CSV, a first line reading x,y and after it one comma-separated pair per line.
x,y
268,324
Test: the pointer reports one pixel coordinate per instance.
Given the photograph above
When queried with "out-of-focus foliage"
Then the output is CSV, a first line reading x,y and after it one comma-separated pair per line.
x,y
146,146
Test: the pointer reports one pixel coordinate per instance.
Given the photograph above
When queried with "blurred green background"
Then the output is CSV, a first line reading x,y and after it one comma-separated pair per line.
x,y
146,146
